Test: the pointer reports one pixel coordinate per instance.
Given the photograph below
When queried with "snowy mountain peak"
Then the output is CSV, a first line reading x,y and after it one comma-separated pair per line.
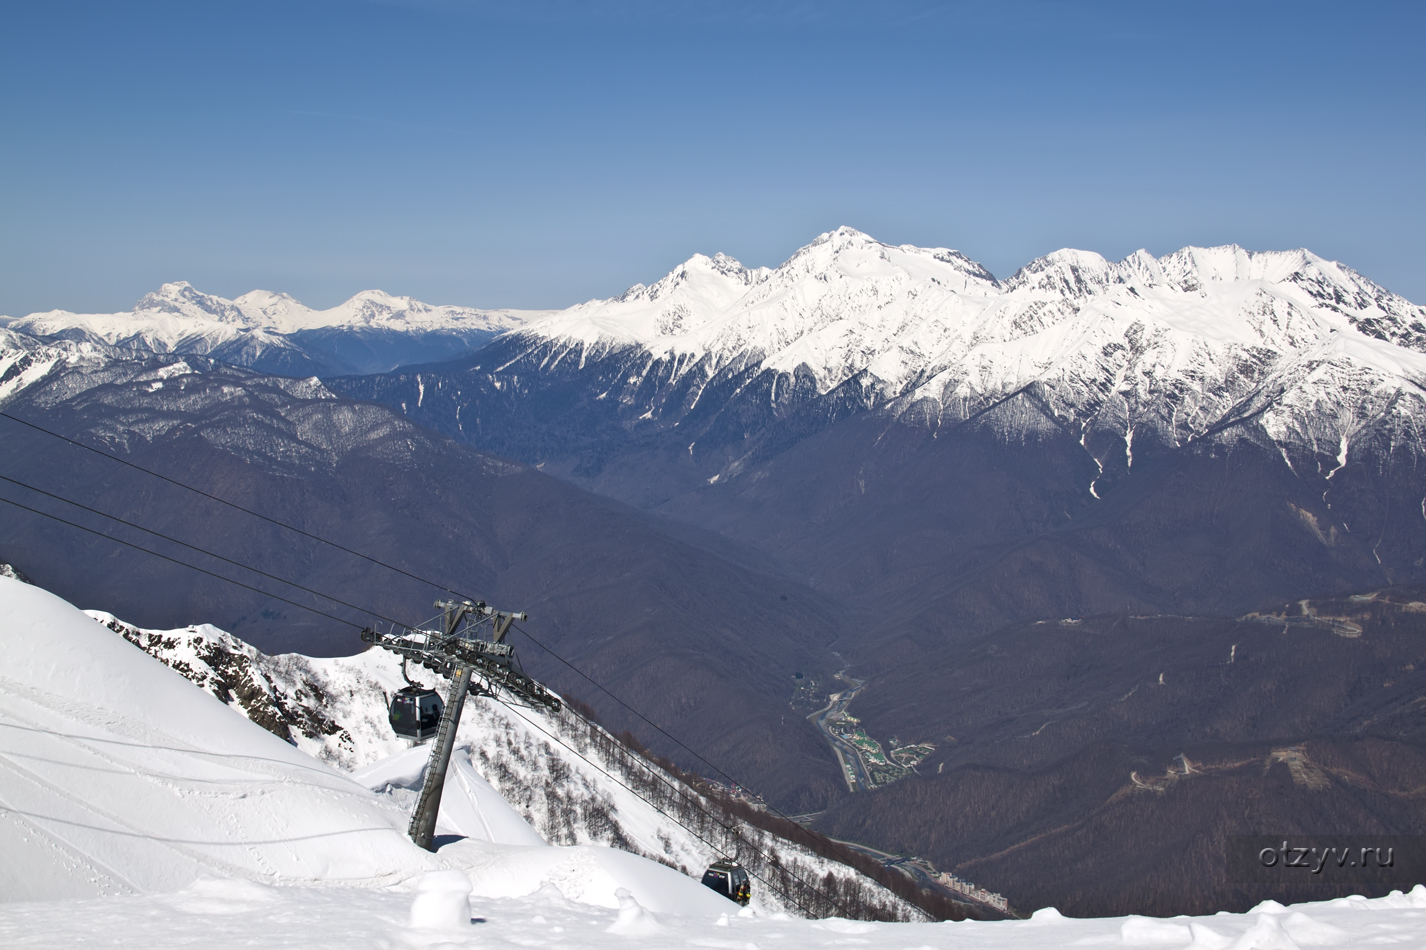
x,y
714,276
270,308
929,328
1065,273
180,298
843,237
373,331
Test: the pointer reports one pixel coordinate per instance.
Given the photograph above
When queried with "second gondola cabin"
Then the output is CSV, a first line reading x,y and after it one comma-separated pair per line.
x,y
416,712
729,879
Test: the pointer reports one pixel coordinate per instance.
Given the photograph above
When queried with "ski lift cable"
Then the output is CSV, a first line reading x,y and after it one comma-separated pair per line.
x,y
223,501
770,885
833,846
730,829
112,457
379,563
719,850
293,603
713,818
175,560
194,547
348,622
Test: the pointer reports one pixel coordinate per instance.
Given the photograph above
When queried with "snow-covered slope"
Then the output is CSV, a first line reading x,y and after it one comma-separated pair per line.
x,y
565,777
371,332
119,776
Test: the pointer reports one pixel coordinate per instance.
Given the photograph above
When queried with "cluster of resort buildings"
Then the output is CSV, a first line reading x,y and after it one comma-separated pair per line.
x,y
951,882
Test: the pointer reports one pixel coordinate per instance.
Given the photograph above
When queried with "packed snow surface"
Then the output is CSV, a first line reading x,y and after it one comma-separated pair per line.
x,y
219,914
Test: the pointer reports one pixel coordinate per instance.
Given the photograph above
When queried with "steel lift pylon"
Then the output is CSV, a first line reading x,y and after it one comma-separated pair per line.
x,y
474,664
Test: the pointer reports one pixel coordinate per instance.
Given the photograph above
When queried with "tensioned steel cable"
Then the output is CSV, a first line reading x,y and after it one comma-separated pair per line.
x,y
380,563
112,457
681,745
194,547
672,788
222,501
681,794
831,900
194,567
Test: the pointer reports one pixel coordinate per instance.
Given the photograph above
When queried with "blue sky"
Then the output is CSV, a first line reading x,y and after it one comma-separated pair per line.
x,y
537,154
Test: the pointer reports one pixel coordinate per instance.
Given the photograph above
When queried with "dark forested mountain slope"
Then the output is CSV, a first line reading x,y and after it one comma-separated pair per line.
x,y
1098,764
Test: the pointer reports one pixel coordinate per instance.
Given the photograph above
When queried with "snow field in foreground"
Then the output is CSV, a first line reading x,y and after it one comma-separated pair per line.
x,y
120,777
219,915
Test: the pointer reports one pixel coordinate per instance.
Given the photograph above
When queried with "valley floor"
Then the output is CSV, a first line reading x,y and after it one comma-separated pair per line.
x,y
225,915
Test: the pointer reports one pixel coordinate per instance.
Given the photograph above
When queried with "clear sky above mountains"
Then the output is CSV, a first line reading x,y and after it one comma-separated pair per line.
x,y
541,153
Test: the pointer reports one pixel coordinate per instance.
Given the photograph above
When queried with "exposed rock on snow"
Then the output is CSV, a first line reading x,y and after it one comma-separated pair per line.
x,y
119,777
519,776
7,570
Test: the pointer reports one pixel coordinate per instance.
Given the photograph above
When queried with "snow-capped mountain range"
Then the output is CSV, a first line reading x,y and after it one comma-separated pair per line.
x,y
1161,351
372,332
1146,350
1200,435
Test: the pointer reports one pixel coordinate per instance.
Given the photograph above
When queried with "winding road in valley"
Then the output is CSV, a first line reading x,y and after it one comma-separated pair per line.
x,y
854,770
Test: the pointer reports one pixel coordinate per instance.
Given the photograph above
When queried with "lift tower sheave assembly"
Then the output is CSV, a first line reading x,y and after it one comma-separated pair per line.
x,y
474,664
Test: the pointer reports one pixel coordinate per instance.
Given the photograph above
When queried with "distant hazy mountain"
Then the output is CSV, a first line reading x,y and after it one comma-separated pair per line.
x,y
271,332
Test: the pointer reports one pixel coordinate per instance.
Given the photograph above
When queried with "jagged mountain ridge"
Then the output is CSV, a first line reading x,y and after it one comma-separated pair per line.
x,y
1141,355
272,332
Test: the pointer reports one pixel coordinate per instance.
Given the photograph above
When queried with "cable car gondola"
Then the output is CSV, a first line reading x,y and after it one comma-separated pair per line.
x,y
416,712
729,879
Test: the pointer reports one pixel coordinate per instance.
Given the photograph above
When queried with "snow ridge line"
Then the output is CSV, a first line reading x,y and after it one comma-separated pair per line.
x,y
335,710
